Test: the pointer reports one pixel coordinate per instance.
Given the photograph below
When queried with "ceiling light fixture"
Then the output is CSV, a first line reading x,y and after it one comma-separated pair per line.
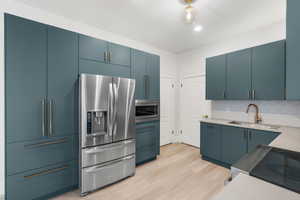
x,y
189,14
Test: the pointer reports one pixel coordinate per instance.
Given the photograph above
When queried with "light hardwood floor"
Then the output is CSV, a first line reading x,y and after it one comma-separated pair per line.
x,y
178,174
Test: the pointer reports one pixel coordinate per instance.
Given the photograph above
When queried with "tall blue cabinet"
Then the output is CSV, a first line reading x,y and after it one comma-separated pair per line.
x,y
41,100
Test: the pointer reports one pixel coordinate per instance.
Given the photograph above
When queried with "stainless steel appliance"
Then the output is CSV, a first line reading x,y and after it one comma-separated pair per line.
x,y
146,110
107,130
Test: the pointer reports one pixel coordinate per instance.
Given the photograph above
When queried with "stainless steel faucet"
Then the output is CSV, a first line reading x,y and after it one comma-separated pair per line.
x,y
257,118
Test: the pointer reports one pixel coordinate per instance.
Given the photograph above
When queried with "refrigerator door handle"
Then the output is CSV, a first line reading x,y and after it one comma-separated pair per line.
x,y
110,109
115,90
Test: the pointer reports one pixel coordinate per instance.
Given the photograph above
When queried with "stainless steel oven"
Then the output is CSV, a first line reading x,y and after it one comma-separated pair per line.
x,y
146,110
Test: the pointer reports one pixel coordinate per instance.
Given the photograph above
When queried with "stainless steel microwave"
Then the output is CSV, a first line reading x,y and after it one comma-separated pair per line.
x,y
146,110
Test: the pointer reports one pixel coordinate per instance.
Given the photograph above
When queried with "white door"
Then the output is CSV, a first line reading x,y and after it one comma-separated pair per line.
x,y
167,108
192,106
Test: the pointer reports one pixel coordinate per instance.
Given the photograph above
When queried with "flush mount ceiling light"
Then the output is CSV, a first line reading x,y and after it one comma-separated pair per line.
x,y
198,28
189,16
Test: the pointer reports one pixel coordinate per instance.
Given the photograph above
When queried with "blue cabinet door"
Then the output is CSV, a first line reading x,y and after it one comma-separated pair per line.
x,y
268,71
211,141
139,72
42,183
92,67
92,48
292,50
26,72
216,77
234,144
153,77
62,81
147,141
239,75
119,55
257,137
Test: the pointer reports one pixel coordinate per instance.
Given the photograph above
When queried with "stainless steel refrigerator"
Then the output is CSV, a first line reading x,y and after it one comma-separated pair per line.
x,y
107,130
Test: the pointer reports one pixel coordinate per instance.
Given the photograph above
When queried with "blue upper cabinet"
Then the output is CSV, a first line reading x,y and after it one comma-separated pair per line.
x,y
62,81
146,72
139,68
216,77
92,48
153,77
239,75
257,73
103,58
26,72
119,55
268,71
292,50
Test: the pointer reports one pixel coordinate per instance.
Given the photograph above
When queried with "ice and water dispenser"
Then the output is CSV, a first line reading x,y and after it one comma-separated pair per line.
x,y
97,122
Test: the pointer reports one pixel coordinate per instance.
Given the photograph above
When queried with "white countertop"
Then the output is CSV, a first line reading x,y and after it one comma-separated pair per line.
x,y
244,187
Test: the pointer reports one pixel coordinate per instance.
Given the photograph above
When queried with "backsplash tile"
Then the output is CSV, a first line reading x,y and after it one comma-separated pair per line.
x,y
273,112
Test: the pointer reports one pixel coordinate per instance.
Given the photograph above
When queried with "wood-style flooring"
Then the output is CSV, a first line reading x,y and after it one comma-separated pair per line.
x,y
178,174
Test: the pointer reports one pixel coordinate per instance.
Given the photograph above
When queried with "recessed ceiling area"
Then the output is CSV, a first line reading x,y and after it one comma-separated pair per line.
x,y
160,22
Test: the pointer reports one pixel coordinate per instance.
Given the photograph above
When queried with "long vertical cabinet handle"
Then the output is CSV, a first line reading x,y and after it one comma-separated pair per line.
x,y
145,86
50,117
44,117
249,94
148,86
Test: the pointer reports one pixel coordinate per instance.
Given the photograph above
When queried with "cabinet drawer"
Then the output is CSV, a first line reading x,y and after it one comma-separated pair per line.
x,y
145,153
32,155
97,155
38,183
145,136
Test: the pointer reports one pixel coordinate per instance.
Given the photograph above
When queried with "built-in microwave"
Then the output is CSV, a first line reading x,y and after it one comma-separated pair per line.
x,y
146,110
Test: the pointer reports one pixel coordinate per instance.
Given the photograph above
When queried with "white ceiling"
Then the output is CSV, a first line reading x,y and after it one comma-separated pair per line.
x,y
160,22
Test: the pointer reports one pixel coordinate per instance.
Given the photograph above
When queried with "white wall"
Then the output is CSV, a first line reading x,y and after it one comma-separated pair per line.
x,y
168,60
192,63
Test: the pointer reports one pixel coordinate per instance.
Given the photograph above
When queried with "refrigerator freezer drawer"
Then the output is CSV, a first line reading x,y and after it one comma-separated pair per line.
x,y
96,177
100,154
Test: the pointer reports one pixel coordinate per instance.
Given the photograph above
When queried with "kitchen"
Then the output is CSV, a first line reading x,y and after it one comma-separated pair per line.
x,y
194,69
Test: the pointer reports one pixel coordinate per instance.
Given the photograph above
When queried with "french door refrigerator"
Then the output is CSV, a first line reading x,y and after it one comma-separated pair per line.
x,y
107,130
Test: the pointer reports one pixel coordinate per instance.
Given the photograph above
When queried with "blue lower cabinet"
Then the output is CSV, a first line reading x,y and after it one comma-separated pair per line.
x,y
42,183
258,137
211,139
93,67
234,144
32,155
225,145
147,141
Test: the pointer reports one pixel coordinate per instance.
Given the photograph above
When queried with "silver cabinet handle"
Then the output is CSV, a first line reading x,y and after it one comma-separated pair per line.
x,y
249,94
148,86
253,94
50,117
105,56
145,86
224,94
43,117
41,144
109,56
49,171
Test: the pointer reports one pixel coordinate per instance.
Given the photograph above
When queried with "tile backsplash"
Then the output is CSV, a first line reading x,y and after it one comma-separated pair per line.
x,y
272,112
